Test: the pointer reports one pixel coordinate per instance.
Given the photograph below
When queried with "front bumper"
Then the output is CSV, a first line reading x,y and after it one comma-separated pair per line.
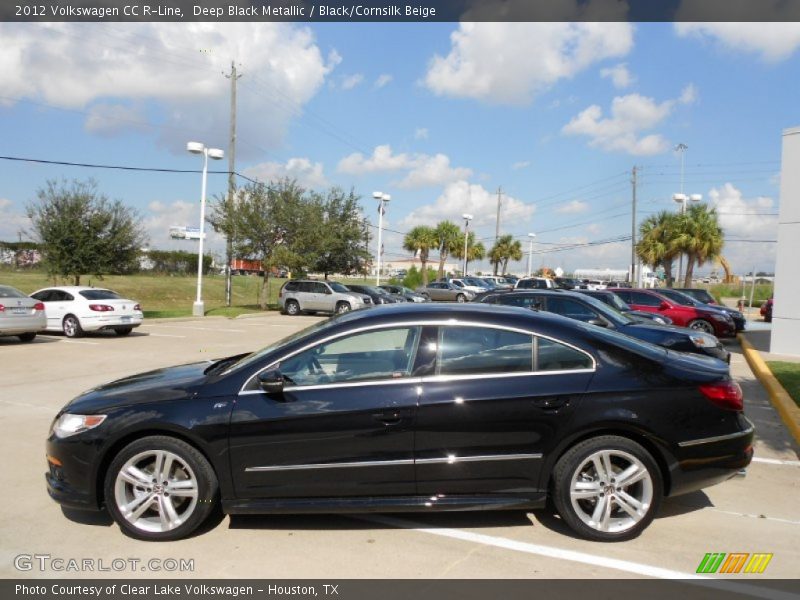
x,y
71,477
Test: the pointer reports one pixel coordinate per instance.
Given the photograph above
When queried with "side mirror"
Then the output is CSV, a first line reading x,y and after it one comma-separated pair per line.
x,y
328,291
663,306
271,381
598,322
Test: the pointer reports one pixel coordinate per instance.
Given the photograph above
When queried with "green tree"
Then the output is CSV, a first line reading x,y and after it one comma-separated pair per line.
x,y
337,243
658,243
701,238
505,249
421,240
82,232
448,235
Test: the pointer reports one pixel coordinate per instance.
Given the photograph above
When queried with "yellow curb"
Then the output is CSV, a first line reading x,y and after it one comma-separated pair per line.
x,y
780,398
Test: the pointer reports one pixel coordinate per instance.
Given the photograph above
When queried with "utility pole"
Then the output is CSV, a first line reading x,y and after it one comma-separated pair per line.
x,y
366,248
499,203
633,279
231,184
682,148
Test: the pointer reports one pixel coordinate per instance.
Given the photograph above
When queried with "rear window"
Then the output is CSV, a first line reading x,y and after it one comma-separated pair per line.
x,y
291,286
6,291
100,295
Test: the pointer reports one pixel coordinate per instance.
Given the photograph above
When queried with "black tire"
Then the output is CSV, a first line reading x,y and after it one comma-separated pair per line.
x,y
72,327
292,308
27,337
461,298
123,330
197,510
576,465
702,325
342,307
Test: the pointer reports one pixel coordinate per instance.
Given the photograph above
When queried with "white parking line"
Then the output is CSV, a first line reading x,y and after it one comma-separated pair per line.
x,y
198,328
165,335
775,461
584,558
81,342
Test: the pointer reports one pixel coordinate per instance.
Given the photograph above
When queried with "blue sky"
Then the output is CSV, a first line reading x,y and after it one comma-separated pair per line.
x,y
438,115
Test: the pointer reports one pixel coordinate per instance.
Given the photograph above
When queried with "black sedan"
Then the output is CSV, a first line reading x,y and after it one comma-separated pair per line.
x,y
576,305
377,294
403,292
409,407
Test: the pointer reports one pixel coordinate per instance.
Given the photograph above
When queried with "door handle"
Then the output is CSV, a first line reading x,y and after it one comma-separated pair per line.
x,y
390,418
551,402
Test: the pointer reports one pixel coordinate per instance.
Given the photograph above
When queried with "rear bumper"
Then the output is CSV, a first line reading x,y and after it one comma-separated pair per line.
x,y
110,322
22,324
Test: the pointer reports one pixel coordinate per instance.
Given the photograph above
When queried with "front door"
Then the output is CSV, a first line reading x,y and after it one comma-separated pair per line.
x,y
342,427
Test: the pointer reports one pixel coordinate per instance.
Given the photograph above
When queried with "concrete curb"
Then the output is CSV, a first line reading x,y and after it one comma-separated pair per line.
x,y
780,398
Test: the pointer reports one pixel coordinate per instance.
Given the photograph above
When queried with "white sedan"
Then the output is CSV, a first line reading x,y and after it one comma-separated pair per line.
x,y
78,309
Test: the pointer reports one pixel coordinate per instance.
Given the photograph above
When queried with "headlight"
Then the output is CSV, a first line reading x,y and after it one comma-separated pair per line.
x,y
659,320
67,424
703,340
722,318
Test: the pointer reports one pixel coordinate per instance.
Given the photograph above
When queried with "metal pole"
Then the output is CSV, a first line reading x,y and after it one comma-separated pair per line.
x,y
231,186
380,240
466,239
753,287
198,309
530,256
497,222
633,232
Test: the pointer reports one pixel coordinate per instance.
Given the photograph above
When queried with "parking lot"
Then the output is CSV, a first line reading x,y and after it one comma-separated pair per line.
x,y
755,514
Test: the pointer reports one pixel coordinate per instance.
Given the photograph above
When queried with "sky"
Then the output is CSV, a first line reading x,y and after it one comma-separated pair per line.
x,y
438,115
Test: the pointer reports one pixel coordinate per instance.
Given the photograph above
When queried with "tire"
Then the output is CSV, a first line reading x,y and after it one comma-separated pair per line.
x,y
72,327
579,488
342,307
136,502
27,337
702,325
123,330
292,308
461,298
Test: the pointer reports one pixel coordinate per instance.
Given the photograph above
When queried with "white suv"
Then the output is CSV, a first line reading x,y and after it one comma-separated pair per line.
x,y
535,283
299,296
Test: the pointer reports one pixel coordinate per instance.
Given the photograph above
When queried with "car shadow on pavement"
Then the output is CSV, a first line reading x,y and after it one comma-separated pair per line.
x,y
12,340
99,518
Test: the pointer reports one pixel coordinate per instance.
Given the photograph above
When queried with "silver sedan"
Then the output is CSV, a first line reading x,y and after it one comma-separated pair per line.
x,y
20,315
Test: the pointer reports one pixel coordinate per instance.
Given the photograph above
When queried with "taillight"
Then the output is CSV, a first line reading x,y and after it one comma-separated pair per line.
x,y
2,308
726,394
137,307
101,307
39,306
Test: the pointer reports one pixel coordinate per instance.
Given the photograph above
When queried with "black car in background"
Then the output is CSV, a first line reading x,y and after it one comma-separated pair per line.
x,y
409,407
576,305
618,303
699,294
686,300
377,294
403,292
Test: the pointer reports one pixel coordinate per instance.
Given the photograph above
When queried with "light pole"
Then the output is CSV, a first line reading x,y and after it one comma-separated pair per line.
x,y
467,218
198,308
682,199
382,200
530,252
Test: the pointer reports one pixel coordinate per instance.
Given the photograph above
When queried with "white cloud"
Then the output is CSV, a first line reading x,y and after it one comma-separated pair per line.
x,y
619,74
352,81
383,80
422,169
522,164
573,207
421,133
13,220
175,66
511,63
460,197
772,42
307,174
631,115
113,119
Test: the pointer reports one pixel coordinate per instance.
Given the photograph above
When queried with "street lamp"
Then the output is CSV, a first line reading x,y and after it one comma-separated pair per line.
x,y
530,252
382,200
198,308
467,218
682,199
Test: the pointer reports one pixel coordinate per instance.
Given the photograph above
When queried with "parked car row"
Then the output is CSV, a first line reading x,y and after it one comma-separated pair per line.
x,y
72,310
313,296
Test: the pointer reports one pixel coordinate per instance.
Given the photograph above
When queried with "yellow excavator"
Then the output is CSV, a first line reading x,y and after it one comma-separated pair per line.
x,y
729,277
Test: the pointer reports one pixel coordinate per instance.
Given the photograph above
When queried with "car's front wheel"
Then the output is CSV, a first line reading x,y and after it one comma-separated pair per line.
x,y
461,298
607,488
342,307
160,488
702,325
72,326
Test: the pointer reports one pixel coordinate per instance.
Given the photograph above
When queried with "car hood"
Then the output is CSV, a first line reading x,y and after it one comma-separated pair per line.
x,y
171,383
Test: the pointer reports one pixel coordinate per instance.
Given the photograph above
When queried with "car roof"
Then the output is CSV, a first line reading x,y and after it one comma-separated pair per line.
x,y
73,288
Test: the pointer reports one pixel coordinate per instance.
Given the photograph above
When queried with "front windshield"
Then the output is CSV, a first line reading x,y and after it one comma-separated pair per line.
x,y
679,297
618,303
609,312
338,287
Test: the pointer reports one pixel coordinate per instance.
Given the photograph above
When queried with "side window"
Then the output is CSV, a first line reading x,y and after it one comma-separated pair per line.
x,y
554,356
291,286
304,286
644,299
477,350
525,284
372,355
43,296
524,300
571,308
319,288
625,295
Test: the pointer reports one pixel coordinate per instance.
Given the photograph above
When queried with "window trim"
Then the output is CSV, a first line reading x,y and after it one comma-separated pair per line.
x,y
427,378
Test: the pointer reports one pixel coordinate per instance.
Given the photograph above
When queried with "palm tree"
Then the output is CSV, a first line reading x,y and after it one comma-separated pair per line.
x,y
506,248
448,235
701,238
421,240
475,250
659,242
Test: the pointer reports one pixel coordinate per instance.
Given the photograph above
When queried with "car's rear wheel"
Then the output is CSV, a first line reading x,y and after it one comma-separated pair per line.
x,y
27,337
607,488
292,308
123,330
72,326
160,488
342,307
461,298
702,325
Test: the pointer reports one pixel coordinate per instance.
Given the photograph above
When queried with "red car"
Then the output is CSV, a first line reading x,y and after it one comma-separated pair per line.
x,y
709,320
